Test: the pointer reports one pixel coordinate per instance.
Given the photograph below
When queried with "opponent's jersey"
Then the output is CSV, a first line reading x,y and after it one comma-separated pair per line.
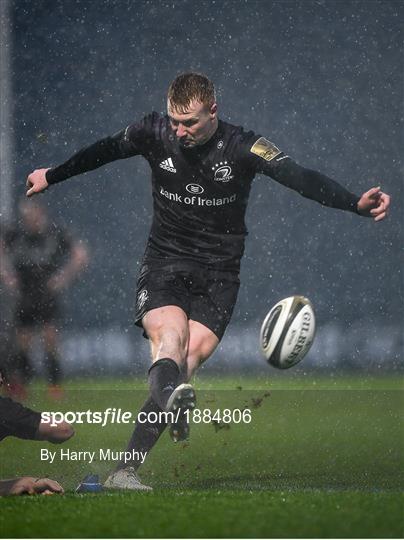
x,y
200,194
35,257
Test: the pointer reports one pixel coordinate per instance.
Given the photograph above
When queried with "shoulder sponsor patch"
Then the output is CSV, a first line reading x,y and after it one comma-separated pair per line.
x,y
265,149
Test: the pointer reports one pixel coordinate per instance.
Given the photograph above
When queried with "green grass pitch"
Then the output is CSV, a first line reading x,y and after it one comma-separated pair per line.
x,y
321,458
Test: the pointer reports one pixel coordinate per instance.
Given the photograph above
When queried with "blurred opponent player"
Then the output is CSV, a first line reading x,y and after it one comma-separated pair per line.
x,y
38,259
202,170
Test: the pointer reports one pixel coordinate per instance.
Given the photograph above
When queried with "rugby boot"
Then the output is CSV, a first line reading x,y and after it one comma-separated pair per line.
x,y
125,479
181,400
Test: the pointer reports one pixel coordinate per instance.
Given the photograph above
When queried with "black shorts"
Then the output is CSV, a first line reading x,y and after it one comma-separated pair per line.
x,y
206,296
35,310
17,420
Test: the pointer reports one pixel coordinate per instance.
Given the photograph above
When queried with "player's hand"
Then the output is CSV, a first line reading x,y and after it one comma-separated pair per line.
x,y
32,486
36,182
46,486
374,203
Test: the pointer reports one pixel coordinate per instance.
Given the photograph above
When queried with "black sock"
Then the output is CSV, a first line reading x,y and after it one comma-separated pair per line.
x,y
163,379
145,434
53,368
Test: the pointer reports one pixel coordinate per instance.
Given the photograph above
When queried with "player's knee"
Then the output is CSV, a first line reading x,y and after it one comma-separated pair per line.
x,y
56,434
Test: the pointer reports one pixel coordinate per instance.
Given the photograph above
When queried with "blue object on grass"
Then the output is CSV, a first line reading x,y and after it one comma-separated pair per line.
x,y
90,484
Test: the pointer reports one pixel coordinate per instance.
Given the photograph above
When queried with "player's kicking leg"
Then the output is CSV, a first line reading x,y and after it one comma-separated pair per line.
x,y
167,329
177,351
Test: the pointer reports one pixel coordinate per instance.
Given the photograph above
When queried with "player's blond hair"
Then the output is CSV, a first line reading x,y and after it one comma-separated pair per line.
x,y
189,87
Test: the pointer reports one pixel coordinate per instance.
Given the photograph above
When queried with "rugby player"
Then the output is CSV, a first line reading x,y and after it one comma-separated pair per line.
x,y
202,170
38,259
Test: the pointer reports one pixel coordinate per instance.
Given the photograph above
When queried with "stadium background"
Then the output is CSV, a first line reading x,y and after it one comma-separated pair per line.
x,y
322,79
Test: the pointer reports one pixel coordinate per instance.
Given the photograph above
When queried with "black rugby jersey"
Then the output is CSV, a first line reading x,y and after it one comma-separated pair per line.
x,y
36,257
200,194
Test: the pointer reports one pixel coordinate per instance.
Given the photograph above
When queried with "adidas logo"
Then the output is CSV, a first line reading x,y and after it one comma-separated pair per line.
x,y
168,165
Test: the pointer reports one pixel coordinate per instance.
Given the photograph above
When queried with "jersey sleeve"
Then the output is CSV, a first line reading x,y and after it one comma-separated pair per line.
x,y
268,159
17,420
134,140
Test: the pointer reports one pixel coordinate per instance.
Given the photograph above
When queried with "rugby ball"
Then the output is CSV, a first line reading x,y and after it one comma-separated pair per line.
x,y
288,332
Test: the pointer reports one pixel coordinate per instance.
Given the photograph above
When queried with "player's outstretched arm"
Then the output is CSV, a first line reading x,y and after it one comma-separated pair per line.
x,y
374,203
132,141
36,182
55,434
